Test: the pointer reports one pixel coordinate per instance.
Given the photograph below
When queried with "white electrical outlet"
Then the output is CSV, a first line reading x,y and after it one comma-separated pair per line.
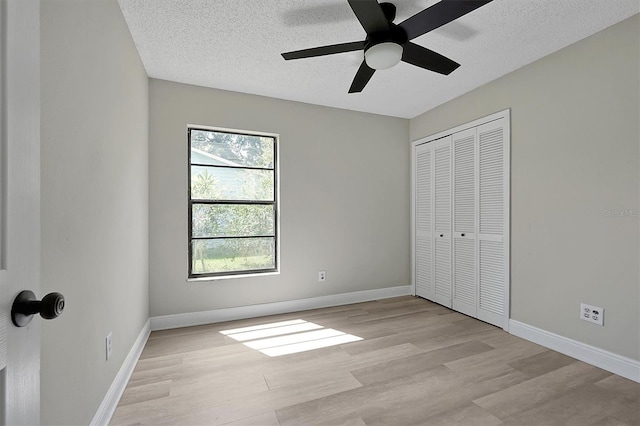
x,y
592,314
322,276
108,346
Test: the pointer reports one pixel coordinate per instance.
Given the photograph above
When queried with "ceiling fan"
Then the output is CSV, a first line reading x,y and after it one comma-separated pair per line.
x,y
387,43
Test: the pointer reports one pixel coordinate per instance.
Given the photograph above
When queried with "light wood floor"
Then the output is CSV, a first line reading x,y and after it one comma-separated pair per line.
x,y
418,364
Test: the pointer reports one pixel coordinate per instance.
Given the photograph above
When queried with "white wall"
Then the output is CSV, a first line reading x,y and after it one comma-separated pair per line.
x,y
94,210
574,156
344,198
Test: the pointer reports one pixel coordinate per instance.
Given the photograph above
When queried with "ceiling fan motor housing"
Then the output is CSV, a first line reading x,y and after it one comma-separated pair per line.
x,y
394,34
389,10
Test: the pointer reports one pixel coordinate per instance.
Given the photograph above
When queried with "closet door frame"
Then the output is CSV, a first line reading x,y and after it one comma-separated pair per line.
x,y
506,116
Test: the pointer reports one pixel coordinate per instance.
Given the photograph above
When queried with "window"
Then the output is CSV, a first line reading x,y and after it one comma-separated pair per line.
x,y
233,209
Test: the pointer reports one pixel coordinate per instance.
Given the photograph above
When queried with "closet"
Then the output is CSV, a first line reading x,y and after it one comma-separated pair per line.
x,y
460,218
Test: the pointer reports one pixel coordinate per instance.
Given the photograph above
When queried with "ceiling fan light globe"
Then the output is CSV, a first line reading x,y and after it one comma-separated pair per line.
x,y
383,55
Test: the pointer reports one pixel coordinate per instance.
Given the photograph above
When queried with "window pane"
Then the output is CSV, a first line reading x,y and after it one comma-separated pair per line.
x,y
232,220
230,255
218,148
219,183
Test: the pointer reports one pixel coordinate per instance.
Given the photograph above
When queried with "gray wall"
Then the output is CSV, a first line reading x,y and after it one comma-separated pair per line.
x,y
111,187
344,198
94,201
574,157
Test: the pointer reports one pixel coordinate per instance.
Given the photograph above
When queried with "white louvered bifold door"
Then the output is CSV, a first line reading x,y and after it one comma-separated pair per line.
x,y
493,211
424,221
461,218
442,223
465,286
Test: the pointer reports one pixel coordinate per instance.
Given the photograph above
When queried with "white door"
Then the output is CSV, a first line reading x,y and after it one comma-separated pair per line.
x,y
20,210
493,200
442,224
461,199
465,286
424,194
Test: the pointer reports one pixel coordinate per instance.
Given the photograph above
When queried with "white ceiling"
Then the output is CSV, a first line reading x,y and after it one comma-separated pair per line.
x,y
236,45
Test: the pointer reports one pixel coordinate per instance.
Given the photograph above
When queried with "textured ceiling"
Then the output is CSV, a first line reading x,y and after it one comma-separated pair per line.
x,y
236,45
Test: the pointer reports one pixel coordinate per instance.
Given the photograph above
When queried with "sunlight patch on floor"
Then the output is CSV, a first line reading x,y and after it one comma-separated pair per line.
x,y
288,337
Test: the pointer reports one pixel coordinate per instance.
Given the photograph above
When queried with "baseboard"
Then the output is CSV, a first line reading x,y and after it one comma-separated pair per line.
x,y
111,399
165,322
620,365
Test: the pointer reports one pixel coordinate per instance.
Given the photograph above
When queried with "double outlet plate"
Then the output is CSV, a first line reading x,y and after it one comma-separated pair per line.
x,y
592,314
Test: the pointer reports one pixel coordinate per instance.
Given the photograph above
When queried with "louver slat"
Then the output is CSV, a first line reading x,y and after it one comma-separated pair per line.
x,y
423,191
491,182
424,284
443,189
492,276
443,270
464,192
465,275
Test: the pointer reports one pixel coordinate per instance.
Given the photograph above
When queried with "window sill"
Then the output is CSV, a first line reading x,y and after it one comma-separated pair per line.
x,y
228,277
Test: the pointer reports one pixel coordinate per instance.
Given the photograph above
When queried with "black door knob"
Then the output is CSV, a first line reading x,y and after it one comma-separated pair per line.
x,y
26,305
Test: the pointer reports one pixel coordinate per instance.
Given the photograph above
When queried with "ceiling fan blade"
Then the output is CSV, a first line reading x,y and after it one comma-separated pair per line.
x,y
439,14
324,50
362,77
428,59
370,15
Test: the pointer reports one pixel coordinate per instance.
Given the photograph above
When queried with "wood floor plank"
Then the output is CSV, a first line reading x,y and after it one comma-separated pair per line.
x,y
428,340
142,393
376,398
464,415
265,419
235,385
542,363
391,369
627,388
584,405
418,364
486,364
279,380
257,403
177,344
440,394
158,362
540,389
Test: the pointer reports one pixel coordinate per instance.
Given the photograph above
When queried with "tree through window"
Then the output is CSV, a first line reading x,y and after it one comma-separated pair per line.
x,y
232,203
